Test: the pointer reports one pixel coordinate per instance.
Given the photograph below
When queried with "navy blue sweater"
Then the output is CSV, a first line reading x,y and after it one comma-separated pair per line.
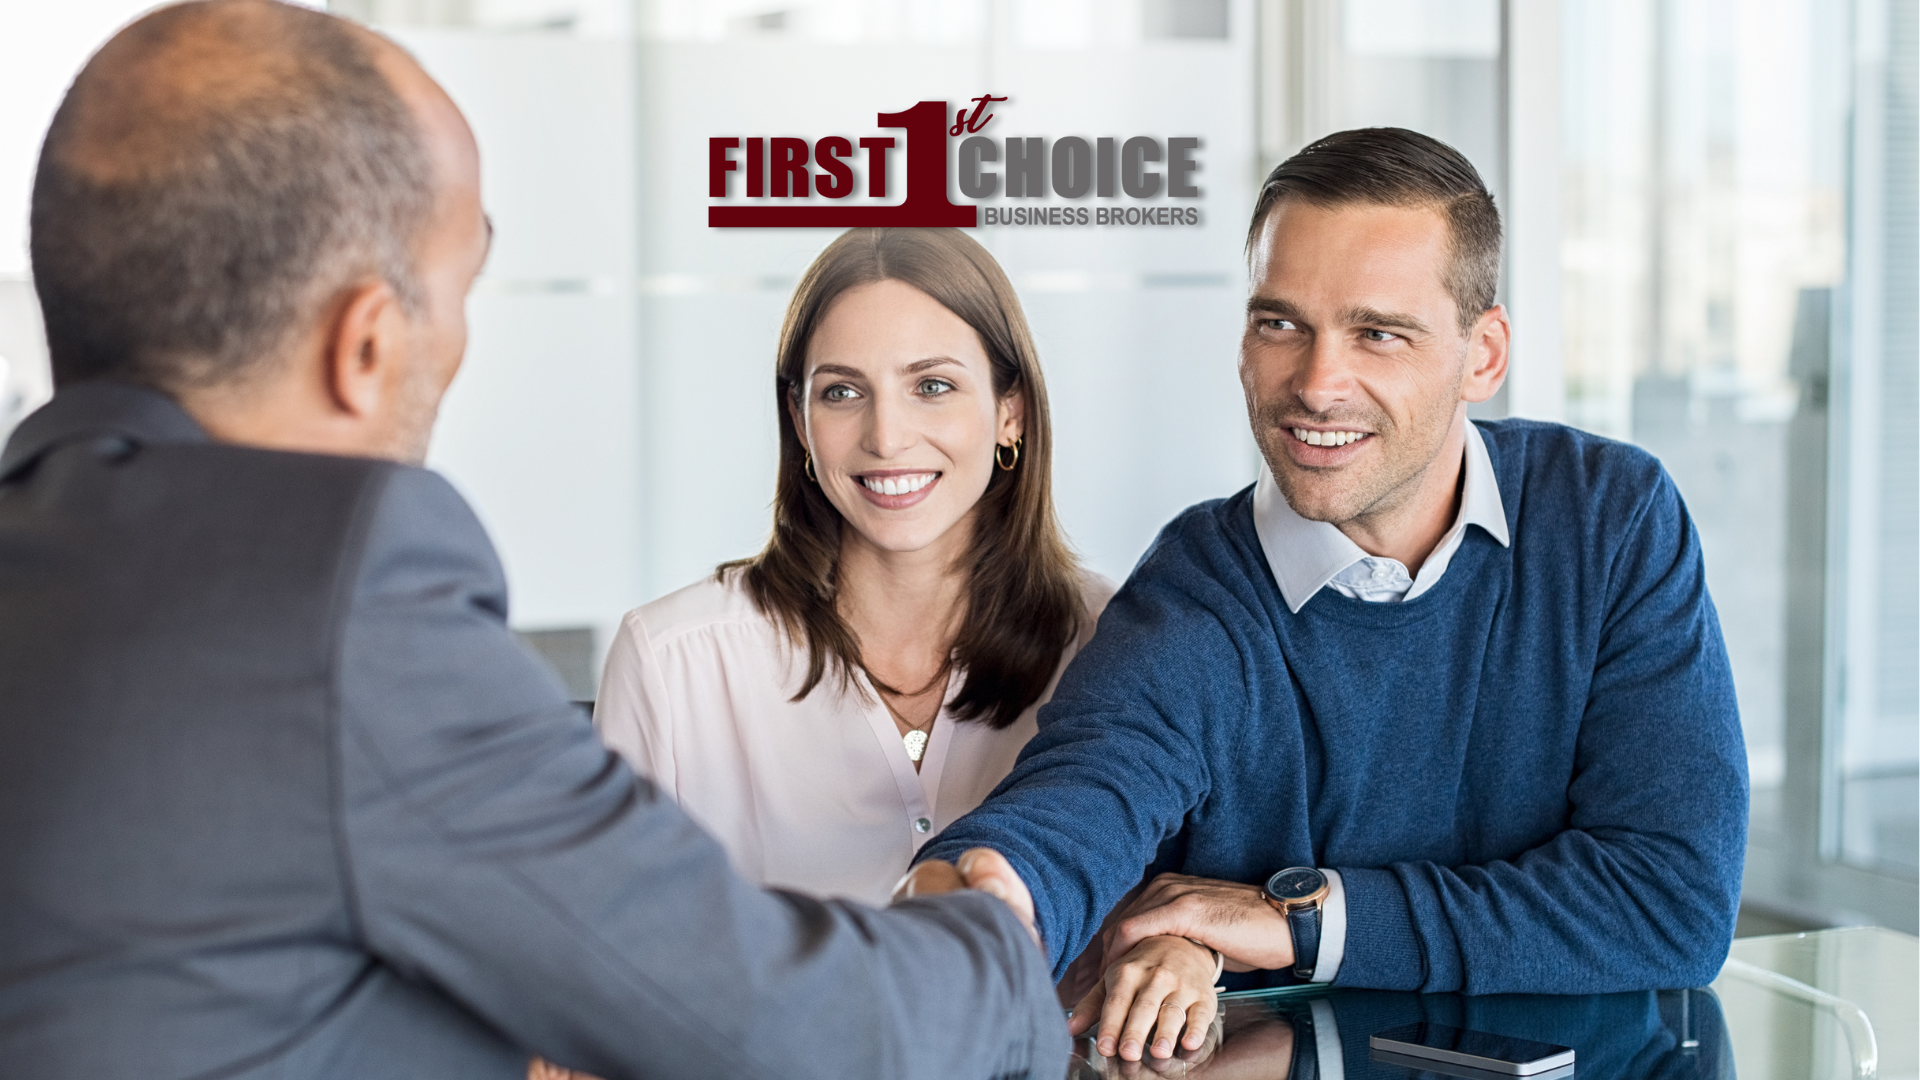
x,y
1531,777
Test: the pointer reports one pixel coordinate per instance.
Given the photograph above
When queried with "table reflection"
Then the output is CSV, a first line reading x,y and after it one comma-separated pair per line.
x,y
1310,1035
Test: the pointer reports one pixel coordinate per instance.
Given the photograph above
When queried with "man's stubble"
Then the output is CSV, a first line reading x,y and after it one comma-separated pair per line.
x,y
1376,484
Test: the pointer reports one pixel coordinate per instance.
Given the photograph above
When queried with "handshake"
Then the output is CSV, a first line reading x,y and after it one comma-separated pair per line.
x,y
1157,958
979,868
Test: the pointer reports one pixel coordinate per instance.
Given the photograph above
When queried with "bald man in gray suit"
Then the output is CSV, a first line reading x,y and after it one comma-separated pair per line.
x,y
280,795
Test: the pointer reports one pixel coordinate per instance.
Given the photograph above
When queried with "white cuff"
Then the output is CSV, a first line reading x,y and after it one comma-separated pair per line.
x,y
1333,930
1326,1041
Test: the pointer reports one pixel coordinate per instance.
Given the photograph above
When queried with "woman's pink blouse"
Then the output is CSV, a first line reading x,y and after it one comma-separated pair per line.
x,y
816,795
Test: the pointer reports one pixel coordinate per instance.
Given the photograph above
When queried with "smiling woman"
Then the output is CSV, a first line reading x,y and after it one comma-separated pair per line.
x,y
827,706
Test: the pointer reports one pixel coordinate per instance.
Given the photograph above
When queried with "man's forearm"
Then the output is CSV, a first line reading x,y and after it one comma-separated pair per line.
x,y
1062,823
1574,916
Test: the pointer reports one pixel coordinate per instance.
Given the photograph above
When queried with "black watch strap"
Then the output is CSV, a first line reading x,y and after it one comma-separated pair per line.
x,y
1306,1049
1305,923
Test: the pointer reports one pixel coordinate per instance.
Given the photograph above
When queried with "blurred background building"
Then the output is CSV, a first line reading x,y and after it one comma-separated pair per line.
x,y
1712,222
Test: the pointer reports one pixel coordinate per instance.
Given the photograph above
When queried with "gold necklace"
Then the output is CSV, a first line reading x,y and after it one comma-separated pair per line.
x,y
915,740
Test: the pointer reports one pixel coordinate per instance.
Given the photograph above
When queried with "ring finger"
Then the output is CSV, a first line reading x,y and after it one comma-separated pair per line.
x,y
1167,1026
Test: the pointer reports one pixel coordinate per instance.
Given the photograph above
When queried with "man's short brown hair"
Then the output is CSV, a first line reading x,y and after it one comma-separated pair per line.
x,y
215,173
1397,167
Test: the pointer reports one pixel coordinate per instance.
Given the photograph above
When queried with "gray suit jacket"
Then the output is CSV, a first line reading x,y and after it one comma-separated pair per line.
x,y
281,796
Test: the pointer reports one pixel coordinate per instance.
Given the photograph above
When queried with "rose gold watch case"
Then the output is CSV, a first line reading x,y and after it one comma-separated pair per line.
x,y
1314,899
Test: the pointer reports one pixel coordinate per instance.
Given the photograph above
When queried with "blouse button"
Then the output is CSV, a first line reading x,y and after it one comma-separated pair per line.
x,y
921,824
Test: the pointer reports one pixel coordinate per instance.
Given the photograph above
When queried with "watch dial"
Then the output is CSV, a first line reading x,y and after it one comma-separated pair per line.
x,y
1296,883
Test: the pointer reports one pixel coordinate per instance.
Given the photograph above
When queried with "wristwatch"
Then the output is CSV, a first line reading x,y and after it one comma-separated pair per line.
x,y
1297,892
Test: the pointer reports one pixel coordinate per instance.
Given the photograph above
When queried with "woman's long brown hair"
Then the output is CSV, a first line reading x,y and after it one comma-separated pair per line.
x,y
1023,591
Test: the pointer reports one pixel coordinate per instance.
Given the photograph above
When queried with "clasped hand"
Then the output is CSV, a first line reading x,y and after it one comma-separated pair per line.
x,y
1159,970
978,868
1158,980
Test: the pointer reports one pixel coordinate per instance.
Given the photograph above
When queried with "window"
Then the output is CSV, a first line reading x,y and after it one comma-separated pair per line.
x,y
1738,296
1710,211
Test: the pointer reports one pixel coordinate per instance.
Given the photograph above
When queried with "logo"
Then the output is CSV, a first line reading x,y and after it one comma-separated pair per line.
x,y
784,180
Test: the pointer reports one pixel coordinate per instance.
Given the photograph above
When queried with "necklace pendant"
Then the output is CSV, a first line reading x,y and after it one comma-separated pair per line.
x,y
916,742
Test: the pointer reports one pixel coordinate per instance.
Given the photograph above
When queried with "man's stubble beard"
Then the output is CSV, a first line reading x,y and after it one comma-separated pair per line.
x,y
1330,495
414,417
1383,479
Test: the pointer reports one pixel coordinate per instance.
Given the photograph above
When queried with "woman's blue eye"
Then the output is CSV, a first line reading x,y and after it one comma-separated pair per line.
x,y
935,386
839,392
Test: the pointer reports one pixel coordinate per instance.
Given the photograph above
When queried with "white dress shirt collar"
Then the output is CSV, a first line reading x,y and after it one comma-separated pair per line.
x,y
1306,556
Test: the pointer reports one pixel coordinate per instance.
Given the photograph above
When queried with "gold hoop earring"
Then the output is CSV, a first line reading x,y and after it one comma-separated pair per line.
x,y
1005,464
808,469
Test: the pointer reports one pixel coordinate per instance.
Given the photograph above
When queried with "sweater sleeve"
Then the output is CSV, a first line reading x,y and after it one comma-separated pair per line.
x,y
1119,761
1642,888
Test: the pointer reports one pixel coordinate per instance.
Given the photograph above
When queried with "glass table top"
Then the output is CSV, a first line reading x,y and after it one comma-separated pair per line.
x,y
1831,1004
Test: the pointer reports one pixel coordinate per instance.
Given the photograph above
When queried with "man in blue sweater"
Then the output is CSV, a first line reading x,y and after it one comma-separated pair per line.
x,y
1434,705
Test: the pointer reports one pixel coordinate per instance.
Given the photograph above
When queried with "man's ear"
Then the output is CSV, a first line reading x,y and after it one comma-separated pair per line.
x,y
363,349
1488,346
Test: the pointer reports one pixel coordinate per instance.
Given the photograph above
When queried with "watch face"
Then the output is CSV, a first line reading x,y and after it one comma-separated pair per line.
x,y
1295,883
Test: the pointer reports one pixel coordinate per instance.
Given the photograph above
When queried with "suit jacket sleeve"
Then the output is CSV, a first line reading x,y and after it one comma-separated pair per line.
x,y
496,850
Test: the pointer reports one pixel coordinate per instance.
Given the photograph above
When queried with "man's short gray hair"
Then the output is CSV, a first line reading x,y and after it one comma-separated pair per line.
x,y
180,236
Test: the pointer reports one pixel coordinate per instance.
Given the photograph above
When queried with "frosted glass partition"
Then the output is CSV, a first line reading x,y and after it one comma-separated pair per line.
x,y
615,425
1137,327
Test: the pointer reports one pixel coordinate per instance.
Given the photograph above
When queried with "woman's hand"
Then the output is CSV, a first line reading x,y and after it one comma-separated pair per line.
x,y
1162,986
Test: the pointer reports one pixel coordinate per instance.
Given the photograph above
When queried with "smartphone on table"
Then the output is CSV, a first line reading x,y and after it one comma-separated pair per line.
x,y
1439,1047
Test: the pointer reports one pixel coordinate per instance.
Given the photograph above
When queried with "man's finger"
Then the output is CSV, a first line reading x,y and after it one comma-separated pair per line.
x,y
1167,919
930,878
1156,897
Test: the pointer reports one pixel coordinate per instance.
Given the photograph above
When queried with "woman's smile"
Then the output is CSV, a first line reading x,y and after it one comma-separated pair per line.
x,y
897,489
